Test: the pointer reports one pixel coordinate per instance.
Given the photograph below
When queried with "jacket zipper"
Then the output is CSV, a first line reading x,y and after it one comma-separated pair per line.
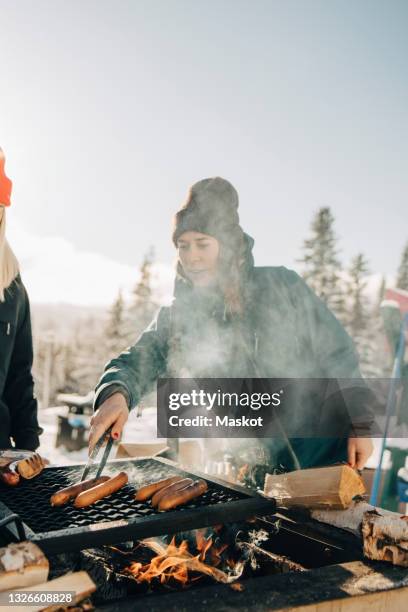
x,y
8,329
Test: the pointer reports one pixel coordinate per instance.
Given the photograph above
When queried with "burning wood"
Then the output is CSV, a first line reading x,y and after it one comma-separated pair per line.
x,y
175,562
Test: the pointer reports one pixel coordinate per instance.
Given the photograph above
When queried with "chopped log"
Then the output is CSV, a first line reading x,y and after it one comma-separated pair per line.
x,y
31,467
385,538
384,533
78,582
22,565
352,518
26,463
329,487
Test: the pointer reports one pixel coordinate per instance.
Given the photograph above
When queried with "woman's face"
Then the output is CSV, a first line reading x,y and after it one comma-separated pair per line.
x,y
198,254
1,212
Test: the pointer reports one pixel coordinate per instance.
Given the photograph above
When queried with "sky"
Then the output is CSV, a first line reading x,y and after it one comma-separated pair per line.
x,y
110,110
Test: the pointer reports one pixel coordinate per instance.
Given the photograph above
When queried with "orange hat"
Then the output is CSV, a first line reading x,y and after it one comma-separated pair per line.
x,y
5,183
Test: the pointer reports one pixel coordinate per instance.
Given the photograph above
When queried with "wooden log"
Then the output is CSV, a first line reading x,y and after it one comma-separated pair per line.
x,y
78,582
384,533
329,487
350,519
385,538
22,565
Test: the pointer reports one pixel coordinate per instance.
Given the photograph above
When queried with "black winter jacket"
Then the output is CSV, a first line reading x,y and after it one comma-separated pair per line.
x,y
18,405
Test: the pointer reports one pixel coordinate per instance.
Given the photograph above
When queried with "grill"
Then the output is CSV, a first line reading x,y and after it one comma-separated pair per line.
x,y
119,517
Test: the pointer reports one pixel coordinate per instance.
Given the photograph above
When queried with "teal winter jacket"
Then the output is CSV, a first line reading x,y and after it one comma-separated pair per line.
x,y
286,331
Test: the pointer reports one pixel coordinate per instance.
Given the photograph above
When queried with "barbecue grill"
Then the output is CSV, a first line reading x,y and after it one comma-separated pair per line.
x,y
119,517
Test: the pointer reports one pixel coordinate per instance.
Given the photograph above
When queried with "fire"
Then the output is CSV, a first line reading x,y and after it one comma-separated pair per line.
x,y
174,562
242,472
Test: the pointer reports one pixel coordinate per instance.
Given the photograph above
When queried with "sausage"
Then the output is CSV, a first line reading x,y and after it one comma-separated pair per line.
x,y
147,491
102,490
179,484
183,495
9,477
63,496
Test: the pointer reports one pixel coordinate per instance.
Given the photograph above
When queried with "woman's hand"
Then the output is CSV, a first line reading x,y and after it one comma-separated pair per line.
x,y
359,450
113,411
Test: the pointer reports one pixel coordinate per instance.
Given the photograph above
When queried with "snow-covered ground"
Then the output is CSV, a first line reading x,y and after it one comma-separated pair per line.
x,y
137,429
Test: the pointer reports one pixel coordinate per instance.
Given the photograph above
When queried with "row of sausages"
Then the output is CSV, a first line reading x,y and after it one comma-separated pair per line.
x,y
171,492
165,494
90,491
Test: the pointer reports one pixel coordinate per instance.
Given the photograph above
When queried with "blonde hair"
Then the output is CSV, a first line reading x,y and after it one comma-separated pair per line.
x,y
9,267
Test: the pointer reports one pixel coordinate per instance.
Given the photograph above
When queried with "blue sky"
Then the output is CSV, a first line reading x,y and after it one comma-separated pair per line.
x,y
110,110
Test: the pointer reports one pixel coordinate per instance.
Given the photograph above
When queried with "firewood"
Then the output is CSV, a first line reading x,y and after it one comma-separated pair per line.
x,y
384,533
329,487
22,565
283,562
31,467
385,538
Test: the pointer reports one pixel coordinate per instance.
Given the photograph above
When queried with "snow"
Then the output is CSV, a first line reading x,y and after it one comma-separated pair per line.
x,y
138,429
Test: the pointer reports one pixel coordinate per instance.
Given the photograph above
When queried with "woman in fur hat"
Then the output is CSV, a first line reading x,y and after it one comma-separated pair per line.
x,y
18,406
231,319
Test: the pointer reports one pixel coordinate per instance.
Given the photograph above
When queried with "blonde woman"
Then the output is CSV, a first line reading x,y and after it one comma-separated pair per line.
x,y
18,406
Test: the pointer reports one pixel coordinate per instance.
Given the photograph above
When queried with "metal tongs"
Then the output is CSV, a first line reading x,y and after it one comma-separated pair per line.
x,y
106,437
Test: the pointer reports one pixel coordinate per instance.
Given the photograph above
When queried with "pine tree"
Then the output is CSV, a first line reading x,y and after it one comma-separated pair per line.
x,y
89,354
364,323
381,291
321,263
358,311
402,278
115,328
142,307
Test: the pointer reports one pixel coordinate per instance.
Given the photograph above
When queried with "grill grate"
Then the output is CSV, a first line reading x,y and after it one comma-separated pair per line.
x,y
119,517
31,499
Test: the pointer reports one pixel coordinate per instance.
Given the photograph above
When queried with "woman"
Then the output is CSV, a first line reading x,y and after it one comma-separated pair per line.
x,y
230,319
18,406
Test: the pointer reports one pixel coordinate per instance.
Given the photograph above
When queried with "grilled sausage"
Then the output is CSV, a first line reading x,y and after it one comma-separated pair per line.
x,y
102,490
183,495
147,491
64,495
176,486
9,477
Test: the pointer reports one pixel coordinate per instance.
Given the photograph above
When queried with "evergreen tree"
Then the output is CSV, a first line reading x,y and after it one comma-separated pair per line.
x,y
364,322
381,291
402,278
115,328
142,307
358,318
89,354
67,365
321,263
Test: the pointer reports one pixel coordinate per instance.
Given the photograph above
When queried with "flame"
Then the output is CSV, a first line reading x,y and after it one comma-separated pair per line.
x,y
174,562
242,472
